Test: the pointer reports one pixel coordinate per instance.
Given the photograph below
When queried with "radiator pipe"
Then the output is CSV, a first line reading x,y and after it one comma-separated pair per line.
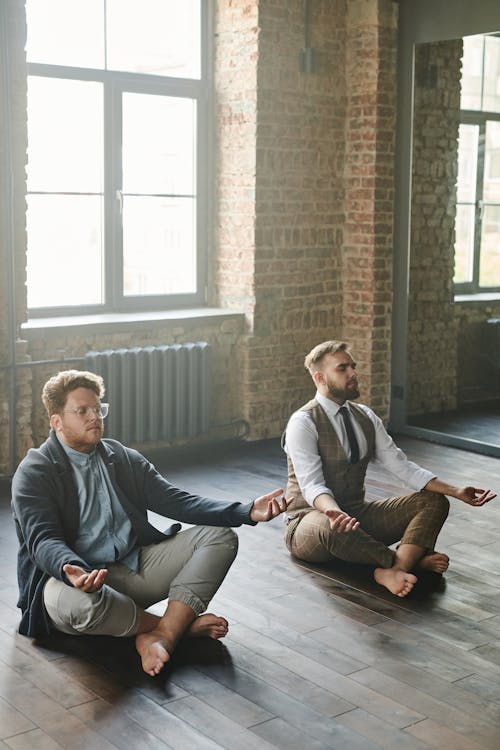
x,y
34,362
307,54
8,185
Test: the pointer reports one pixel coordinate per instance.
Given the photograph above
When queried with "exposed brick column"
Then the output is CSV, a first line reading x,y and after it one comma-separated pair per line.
x,y
432,323
319,243
369,192
299,204
235,75
299,145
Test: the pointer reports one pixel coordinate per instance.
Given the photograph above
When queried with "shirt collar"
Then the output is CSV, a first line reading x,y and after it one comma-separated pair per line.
x,y
77,457
329,406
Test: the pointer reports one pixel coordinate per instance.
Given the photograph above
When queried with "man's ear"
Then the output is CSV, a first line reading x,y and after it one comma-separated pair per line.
x,y
55,422
319,377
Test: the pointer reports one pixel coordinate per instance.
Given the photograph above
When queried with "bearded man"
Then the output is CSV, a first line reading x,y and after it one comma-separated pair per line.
x,y
329,443
89,560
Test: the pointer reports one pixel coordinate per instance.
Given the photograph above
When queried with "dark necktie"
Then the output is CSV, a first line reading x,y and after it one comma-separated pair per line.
x,y
351,436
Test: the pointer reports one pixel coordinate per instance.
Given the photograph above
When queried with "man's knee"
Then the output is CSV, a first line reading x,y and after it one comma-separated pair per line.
x,y
435,501
311,534
310,537
90,612
104,612
229,537
318,542
216,536
221,535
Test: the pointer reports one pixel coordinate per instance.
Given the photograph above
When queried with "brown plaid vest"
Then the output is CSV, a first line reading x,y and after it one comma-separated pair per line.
x,y
345,480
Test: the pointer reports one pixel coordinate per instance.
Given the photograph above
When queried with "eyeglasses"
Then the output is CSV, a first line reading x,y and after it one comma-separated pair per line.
x,y
84,412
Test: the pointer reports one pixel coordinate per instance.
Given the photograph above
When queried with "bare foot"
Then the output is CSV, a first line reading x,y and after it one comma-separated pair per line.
x,y
397,581
153,650
209,626
437,562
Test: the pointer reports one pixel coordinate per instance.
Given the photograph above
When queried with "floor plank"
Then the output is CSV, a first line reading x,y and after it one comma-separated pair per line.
x,y
316,657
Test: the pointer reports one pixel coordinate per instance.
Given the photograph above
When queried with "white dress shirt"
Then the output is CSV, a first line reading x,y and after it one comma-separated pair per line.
x,y
301,444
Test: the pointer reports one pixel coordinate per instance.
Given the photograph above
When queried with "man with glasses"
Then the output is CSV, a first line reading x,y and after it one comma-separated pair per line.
x,y
89,561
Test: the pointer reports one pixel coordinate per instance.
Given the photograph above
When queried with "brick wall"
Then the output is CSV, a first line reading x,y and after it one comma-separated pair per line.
x,y
302,206
236,50
369,184
299,205
222,336
322,229
432,331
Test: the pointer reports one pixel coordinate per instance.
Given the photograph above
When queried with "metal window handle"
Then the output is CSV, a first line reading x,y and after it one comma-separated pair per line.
x,y
119,198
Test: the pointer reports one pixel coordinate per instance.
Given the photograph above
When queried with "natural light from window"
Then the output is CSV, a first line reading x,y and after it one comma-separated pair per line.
x,y
477,225
113,211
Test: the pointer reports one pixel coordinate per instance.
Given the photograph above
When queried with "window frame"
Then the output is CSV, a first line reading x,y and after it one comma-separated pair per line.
x,y
115,83
479,118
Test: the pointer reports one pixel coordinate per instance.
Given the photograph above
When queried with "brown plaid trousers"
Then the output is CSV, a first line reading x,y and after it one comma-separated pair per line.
x,y
416,518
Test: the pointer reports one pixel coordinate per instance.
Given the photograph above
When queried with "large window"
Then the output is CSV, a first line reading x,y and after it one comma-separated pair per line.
x,y
117,124
477,245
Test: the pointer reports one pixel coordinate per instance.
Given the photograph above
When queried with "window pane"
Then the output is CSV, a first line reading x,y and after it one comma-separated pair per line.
x,y
65,135
464,244
66,32
64,250
159,246
489,266
491,89
159,37
467,163
159,135
491,185
472,72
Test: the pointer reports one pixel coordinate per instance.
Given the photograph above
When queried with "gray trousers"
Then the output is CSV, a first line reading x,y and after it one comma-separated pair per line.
x,y
188,567
411,519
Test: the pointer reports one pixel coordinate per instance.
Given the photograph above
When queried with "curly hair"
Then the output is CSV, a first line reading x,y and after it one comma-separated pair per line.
x,y
56,389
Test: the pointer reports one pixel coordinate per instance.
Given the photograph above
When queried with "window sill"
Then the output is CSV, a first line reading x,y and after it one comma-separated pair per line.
x,y
482,297
116,322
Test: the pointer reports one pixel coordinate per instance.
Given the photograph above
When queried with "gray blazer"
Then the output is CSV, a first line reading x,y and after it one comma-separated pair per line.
x,y
46,515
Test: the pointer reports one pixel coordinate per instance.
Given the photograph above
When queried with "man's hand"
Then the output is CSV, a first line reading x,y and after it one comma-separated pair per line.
x,y
474,495
268,506
470,495
340,521
88,582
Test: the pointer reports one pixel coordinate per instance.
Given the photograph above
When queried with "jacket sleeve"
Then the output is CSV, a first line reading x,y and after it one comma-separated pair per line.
x,y
164,498
37,497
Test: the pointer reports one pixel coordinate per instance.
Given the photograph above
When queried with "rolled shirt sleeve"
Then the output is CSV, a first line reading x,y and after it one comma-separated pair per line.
x,y
392,458
301,444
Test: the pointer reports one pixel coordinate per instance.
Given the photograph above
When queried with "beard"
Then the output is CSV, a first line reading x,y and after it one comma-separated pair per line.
x,y
343,394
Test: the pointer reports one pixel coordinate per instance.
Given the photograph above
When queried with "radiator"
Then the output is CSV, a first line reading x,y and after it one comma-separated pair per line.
x,y
154,392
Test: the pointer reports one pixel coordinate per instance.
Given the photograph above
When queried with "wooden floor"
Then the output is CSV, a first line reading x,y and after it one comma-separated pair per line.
x,y
478,422
316,658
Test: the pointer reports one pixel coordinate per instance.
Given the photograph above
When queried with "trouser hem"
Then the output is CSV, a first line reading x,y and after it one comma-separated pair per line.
x,y
188,598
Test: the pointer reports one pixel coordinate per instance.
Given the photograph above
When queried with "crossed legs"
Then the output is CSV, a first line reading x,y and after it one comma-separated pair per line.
x,y
157,637
196,583
188,568
415,520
